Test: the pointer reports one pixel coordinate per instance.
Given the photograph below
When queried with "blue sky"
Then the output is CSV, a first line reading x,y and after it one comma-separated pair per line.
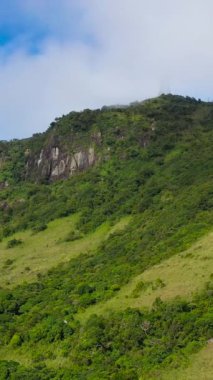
x,y
63,55
28,23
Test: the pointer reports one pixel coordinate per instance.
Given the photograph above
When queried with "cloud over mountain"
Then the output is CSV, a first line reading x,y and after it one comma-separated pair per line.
x,y
58,56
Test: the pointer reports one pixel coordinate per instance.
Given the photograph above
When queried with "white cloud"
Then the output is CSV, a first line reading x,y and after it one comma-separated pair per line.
x,y
142,48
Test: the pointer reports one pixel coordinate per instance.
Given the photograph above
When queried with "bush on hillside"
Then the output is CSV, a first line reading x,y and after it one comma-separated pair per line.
x,y
73,235
14,242
39,228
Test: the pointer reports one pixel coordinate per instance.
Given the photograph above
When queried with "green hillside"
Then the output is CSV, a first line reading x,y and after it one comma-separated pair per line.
x,y
182,275
106,245
58,243
200,367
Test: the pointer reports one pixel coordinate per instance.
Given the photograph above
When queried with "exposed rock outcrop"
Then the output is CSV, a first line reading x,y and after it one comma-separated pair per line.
x,y
53,163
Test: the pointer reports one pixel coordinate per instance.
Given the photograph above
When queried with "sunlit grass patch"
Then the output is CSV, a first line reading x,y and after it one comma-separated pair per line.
x,y
181,275
46,249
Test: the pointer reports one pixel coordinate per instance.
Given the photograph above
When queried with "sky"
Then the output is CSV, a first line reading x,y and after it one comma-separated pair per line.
x,y
62,55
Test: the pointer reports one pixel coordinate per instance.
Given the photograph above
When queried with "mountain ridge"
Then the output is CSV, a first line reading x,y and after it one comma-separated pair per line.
x,y
73,142
80,240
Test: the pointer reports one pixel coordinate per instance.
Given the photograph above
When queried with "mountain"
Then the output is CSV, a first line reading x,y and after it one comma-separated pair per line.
x,y
106,245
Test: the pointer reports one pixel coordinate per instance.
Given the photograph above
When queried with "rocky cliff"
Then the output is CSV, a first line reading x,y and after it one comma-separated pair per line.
x,y
66,148
79,140
53,162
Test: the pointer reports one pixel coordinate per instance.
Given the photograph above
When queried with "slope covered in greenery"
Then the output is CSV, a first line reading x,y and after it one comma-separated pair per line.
x,y
183,275
200,367
145,201
59,242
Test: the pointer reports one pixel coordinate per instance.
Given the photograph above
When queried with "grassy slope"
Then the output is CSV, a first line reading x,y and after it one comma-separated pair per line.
x,y
42,251
199,368
182,274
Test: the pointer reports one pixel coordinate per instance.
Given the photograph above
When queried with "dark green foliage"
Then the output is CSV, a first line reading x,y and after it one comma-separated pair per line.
x,y
13,243
122,345
39,228
10,370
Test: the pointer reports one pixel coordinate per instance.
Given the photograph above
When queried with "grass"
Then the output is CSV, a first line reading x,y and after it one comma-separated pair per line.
x,y
181,275
46,249
199,368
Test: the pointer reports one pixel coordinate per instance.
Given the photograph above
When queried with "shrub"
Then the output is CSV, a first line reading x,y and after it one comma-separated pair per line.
x,y
39,228
73,235
8,263
14,242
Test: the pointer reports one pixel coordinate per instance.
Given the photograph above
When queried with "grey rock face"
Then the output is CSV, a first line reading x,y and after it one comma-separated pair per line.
x,y
52,163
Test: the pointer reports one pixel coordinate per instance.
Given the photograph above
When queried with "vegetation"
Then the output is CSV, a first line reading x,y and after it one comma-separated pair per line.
x,y
182,275
124,345
111,240
200,367
39,253
13,243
